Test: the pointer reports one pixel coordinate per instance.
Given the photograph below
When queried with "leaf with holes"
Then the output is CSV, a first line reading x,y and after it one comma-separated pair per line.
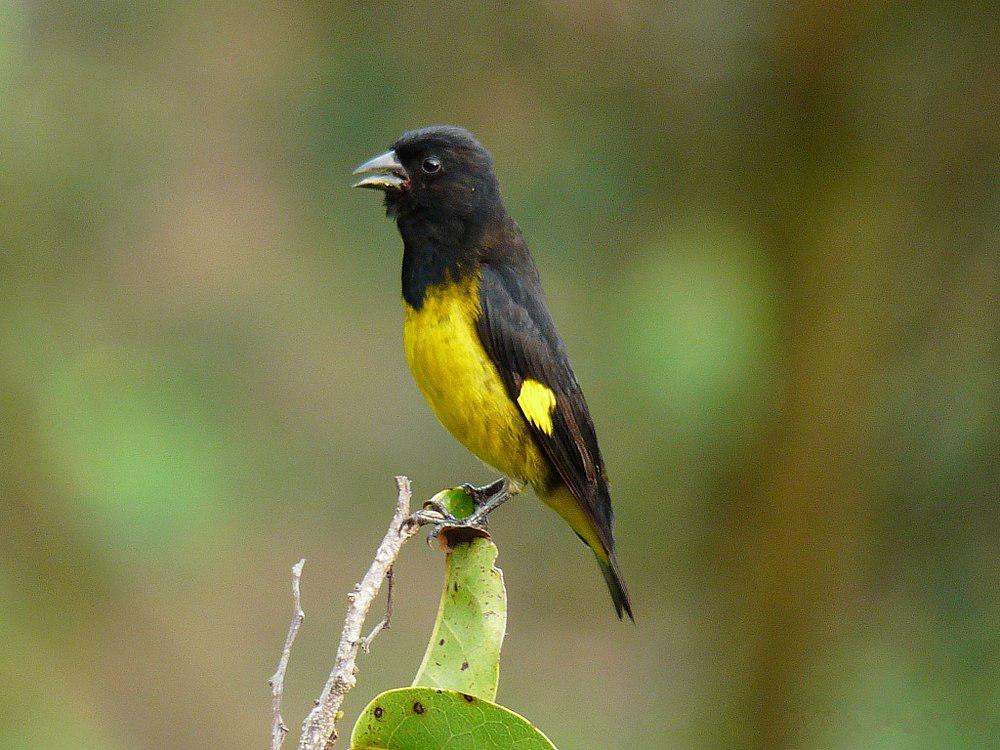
x,y
426,719
464,650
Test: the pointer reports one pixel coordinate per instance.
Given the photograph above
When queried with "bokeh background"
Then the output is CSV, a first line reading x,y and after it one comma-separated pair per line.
x,y
768,231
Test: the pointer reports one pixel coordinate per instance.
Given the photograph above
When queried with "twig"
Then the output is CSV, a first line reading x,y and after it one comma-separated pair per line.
x,y
277,681
319,730
383,624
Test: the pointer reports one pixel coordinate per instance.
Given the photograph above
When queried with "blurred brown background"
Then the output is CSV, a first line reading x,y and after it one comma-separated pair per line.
x,y
768,232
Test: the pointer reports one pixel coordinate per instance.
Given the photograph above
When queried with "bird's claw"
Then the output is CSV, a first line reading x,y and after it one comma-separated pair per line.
x,y
435,515
438,507
486,499
440,520
430,516
481,495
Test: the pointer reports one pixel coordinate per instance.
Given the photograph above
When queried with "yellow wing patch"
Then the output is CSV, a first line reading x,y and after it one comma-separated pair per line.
x,y
537,402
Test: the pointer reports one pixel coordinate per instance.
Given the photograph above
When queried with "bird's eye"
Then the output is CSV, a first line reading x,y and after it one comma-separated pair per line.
x,y
431,165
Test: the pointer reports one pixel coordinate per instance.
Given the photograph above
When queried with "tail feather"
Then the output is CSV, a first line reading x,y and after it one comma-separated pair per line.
x,y
596,535
616,584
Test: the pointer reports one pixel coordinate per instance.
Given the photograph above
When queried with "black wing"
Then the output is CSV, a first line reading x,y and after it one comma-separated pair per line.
x,y
519,335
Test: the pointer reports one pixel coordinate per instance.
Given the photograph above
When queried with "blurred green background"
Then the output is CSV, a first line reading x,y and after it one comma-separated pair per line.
x,y
767,230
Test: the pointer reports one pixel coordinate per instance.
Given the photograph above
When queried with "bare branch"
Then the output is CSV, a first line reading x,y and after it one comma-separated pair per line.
x,y
277,681
319,730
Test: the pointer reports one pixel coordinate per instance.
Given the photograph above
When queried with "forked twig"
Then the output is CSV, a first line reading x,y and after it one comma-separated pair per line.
x,y
319,730
383,624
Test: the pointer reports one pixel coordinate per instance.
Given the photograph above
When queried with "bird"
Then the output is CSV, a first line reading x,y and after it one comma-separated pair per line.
x,y
480,341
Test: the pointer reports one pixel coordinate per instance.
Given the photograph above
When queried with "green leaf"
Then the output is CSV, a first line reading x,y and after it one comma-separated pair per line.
x,y
464,650
420,718
458,502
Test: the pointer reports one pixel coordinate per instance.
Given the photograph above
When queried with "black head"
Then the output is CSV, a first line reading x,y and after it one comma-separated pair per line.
x,y
437,174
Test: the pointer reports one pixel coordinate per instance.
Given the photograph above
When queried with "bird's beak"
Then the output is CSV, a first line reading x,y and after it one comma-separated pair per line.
x,y
384,172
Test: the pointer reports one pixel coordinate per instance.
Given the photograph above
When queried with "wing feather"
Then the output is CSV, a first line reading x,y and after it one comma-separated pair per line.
x,y
518,333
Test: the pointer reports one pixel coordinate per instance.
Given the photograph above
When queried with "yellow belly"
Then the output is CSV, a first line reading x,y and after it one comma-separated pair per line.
x,y
463,386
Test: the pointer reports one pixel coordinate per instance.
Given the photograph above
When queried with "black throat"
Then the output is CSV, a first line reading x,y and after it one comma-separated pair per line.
x,y
437,249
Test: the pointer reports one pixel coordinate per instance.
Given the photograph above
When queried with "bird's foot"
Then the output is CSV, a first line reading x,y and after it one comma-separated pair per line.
x,y
481,495
435,515
435,506
488,498
441,520
430,517
446,527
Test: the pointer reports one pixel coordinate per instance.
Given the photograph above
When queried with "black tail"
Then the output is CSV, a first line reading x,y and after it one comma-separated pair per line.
x,y
616,585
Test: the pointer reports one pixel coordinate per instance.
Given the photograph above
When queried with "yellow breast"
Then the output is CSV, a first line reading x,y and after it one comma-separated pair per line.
x,y
462,384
